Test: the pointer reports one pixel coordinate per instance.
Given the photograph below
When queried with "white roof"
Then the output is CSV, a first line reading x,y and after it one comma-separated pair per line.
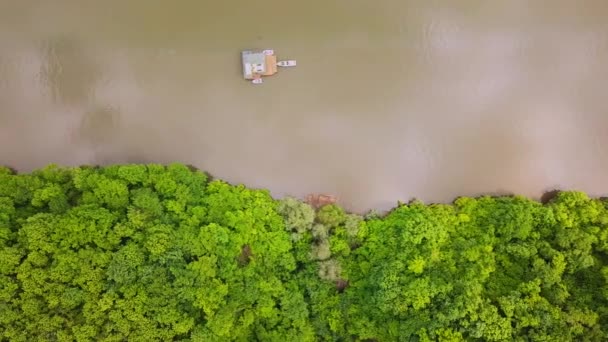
x,y
252,60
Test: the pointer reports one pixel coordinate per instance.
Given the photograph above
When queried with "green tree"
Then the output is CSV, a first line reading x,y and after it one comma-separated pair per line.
x,y
159,253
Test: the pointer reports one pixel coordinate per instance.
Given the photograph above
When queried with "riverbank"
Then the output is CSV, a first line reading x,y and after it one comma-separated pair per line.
x,y
152,252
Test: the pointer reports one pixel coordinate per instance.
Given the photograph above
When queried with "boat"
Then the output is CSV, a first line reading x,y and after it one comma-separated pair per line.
x,y
288,63
320,200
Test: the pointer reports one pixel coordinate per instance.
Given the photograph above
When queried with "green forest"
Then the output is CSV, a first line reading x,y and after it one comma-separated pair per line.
x,y
166,253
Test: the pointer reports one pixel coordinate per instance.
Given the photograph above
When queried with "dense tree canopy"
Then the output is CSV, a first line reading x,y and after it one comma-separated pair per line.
x,y
158,253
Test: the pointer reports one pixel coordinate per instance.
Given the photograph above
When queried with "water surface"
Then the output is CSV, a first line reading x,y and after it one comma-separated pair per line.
x,y
391,99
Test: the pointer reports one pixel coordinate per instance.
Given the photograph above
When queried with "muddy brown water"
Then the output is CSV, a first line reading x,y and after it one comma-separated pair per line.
x,y
391,99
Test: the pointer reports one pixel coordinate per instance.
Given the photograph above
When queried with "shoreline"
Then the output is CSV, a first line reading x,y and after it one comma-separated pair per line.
x,y
544,198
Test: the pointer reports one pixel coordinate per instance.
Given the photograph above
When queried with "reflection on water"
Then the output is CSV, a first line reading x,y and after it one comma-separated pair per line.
x,y
67,71
97,126
390,100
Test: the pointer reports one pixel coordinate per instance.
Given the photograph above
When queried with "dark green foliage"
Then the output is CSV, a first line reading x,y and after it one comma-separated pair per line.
x,y
158,253
331,215
491,268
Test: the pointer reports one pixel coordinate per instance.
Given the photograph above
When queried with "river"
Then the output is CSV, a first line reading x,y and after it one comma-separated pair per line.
x,y
391,99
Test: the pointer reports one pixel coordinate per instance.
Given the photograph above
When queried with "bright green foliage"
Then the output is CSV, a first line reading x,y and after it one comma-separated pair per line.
x,y
144,253
159,253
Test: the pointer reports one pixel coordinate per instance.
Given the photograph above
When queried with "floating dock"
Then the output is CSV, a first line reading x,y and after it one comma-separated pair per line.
x,y
260,63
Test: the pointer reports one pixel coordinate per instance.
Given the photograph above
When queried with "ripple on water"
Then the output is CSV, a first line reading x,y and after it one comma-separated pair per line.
x,y
68,70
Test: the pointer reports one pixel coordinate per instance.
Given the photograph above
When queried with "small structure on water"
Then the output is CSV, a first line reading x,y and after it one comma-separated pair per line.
x,y
257,64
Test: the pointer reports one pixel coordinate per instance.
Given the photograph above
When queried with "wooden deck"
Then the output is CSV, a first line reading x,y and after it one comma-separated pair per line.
x,y
271,65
